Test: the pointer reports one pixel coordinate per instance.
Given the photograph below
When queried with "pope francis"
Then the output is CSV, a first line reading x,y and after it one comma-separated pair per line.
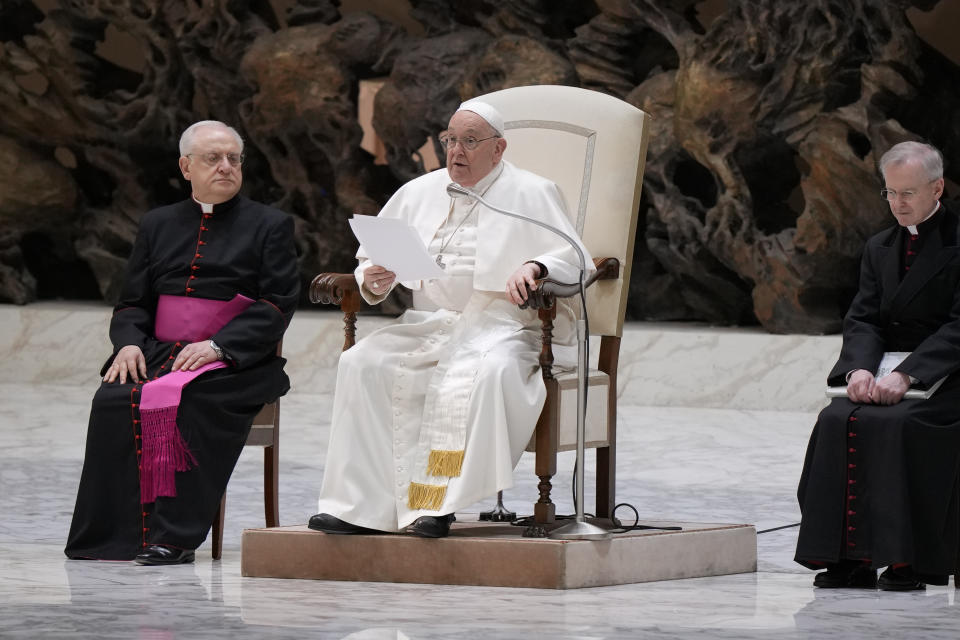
x,y
431,414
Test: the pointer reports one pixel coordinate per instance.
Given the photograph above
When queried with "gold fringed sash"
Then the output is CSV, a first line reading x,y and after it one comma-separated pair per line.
x,y
426,496
445,463
442,463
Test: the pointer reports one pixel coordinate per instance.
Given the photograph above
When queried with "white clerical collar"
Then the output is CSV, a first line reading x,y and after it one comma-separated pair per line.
x,y
204,206
912,228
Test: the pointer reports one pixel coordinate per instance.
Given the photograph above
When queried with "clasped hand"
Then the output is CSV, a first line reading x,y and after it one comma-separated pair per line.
x,y
129,361
863,388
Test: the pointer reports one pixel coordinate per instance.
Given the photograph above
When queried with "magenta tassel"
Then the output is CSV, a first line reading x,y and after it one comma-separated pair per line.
x,y
164,453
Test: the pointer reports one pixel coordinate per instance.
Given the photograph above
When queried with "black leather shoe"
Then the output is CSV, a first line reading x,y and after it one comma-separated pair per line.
x,y
902,579
847,575
432,526
159,554
330,524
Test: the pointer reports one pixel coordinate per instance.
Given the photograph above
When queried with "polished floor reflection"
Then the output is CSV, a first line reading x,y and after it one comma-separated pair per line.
x,y
675,463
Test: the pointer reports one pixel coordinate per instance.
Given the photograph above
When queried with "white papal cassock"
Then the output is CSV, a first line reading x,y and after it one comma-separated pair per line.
x,y
431,414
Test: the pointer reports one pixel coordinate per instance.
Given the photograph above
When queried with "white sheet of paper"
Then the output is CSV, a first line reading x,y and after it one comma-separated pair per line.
x,y
393,244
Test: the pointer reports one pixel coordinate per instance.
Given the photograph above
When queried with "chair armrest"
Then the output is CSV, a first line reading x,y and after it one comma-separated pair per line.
x,y
341,289
332,288
548,289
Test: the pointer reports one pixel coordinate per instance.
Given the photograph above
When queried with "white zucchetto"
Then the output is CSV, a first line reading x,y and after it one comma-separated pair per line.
x,y
485,111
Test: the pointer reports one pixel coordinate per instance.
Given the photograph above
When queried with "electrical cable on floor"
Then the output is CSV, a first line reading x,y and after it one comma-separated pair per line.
x,y
636,526
786,526
619,527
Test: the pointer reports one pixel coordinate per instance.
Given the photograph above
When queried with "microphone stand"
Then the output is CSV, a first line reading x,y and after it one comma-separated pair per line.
x,y
579,529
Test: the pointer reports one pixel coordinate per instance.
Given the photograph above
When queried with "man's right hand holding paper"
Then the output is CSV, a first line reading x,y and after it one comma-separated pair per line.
x,y
378,280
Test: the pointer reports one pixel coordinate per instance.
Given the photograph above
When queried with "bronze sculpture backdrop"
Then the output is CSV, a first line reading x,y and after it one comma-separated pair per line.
x,y
760,185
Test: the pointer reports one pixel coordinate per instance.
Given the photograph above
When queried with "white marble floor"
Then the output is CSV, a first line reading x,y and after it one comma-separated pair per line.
x,y
674,463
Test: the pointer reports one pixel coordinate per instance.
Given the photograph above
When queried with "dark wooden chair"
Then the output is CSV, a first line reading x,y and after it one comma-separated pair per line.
x,y
265,432
593,146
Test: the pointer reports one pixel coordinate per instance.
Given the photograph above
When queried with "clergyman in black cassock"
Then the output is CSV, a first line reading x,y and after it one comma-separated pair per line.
x,y
204,250
879,486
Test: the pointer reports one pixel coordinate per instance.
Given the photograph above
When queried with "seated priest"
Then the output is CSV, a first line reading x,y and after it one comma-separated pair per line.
x,y
881,480
210,288
431,414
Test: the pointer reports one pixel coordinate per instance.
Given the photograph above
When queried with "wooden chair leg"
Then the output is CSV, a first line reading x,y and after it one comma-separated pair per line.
x,y
607,456
271,504
545,464
606,482
218,528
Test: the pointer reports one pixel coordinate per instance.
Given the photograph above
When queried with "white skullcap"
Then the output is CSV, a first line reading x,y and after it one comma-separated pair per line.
x,y
485,111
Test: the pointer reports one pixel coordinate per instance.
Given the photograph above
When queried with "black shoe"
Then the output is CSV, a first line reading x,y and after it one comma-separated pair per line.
x,y
432,526
159,554
847,575
902,579
333,525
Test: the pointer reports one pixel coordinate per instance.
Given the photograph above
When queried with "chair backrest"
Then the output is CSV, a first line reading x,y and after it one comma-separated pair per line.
x,y
593,146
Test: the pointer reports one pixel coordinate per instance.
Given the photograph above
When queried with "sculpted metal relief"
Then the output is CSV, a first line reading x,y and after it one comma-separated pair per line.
x,y
760,185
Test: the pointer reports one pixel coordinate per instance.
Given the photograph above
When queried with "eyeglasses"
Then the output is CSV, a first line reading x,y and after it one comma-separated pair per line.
x,y
906,195
214,159
468,142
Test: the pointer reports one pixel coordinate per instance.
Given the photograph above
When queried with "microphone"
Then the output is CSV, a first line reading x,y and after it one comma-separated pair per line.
x,y
456,190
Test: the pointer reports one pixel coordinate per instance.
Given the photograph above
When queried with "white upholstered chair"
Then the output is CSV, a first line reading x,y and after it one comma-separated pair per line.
x,y
593,146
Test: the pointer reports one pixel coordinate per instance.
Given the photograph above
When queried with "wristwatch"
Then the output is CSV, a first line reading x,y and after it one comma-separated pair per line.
x,y
217,350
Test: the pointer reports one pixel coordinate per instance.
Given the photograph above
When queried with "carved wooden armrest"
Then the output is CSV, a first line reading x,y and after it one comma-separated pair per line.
x,y
548,288
341,289
544,297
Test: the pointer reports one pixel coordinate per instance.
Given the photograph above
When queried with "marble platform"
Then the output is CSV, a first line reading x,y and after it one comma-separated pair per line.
x,y
496,555
686,452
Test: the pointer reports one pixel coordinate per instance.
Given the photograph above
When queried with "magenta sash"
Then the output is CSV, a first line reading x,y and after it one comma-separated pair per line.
x,y
179,319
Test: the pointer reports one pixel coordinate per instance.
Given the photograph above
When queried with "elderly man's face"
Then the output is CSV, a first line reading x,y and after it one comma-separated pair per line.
x,y
208,165
912,193
469,167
